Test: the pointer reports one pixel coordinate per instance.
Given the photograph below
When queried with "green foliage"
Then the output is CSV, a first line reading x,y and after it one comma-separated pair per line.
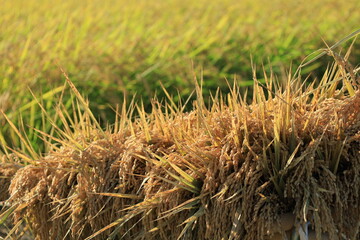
x,y
115,49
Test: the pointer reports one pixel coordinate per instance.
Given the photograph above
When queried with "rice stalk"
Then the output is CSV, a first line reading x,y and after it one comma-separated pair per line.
x,y
287,162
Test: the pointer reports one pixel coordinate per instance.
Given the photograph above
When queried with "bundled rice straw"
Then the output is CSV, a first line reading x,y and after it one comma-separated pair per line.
x,y
232,171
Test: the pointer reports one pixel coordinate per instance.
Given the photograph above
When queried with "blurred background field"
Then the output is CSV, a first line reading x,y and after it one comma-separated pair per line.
x,y
113,50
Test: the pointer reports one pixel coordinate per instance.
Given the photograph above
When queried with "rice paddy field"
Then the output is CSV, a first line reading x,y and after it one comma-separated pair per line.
x,y
179,119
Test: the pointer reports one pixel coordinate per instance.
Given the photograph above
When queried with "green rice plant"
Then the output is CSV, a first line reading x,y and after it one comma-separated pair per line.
x,y
115,49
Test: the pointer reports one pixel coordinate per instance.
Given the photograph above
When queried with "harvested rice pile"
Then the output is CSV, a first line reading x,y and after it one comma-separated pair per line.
x,y
288,162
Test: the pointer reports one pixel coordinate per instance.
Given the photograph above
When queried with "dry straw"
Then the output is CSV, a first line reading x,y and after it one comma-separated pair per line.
x,y
288,163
